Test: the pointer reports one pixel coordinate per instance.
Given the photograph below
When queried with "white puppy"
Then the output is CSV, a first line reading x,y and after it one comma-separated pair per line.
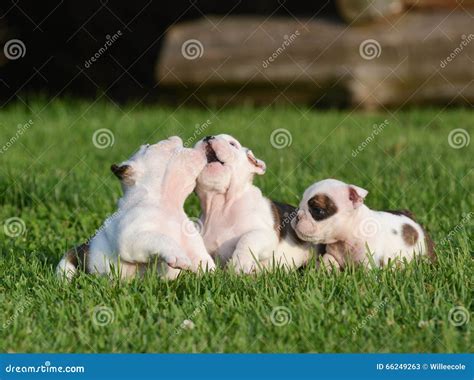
x,y
241,227
150,223
332,212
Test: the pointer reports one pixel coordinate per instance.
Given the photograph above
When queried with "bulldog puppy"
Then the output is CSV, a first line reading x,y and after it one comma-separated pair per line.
x,y
333,213
241,227
150,223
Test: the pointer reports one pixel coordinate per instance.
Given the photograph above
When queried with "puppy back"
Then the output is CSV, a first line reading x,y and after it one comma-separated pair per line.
x,y
430,246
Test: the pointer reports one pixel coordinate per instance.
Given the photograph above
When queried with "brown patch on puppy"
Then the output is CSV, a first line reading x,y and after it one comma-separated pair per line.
x,y
429,242
321,207
123,173
283,214
77,256
409,234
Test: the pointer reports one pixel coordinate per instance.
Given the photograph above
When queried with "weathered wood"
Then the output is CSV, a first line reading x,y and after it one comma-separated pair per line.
x,y
284,60
438,4
413,66
357,12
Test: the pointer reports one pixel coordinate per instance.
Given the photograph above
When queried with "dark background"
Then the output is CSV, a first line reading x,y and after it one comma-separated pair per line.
x,y
60,36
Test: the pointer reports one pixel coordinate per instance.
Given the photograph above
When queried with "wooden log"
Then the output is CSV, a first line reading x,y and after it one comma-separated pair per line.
x,y
438,4
357,12
260,61
428,59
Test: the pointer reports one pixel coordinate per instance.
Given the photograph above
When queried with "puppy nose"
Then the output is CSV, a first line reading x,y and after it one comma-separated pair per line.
x,y
299,215
207,138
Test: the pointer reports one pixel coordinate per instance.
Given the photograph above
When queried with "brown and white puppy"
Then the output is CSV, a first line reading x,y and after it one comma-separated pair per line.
x,y
333,213
241,227
150,224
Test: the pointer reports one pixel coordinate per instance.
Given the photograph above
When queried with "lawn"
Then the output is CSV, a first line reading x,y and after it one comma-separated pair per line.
x,y
55,181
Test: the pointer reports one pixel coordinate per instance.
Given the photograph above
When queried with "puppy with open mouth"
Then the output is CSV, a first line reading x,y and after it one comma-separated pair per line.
x,y
150,224
241,227
332,212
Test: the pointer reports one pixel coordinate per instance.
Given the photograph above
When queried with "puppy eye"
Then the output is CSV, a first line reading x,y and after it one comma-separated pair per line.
x,y
318,213
234,144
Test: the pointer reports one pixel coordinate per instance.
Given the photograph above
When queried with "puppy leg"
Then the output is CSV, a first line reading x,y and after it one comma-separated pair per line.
x,y
329,262
198,254
252,248
150,246
335,256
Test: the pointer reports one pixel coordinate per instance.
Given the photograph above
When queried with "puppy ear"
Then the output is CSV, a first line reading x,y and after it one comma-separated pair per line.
x,y
176,139
259,165
357,195
123,173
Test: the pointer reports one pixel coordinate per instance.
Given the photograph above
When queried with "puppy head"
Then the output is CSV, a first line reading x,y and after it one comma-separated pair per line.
x,y
182,172
166,167
148,164
228,163
325,210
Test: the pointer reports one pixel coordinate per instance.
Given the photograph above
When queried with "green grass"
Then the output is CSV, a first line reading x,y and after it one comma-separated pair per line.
x,y
59,184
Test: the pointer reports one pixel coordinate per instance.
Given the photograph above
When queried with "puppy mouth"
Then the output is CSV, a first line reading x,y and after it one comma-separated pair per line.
x,y
211,155
304,236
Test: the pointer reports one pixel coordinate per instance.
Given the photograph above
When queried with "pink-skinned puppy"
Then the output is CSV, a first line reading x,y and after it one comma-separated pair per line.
x,y
150,225
241,227
332,212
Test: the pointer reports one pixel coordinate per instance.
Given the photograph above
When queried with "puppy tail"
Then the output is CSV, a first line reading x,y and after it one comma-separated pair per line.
x,y
73,260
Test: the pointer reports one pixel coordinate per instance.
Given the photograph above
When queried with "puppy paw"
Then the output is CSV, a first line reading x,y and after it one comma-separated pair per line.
x,y
179,262
244,266
207,266
330,263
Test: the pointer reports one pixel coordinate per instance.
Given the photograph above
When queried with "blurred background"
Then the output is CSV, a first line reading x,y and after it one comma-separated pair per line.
x,y
335,53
